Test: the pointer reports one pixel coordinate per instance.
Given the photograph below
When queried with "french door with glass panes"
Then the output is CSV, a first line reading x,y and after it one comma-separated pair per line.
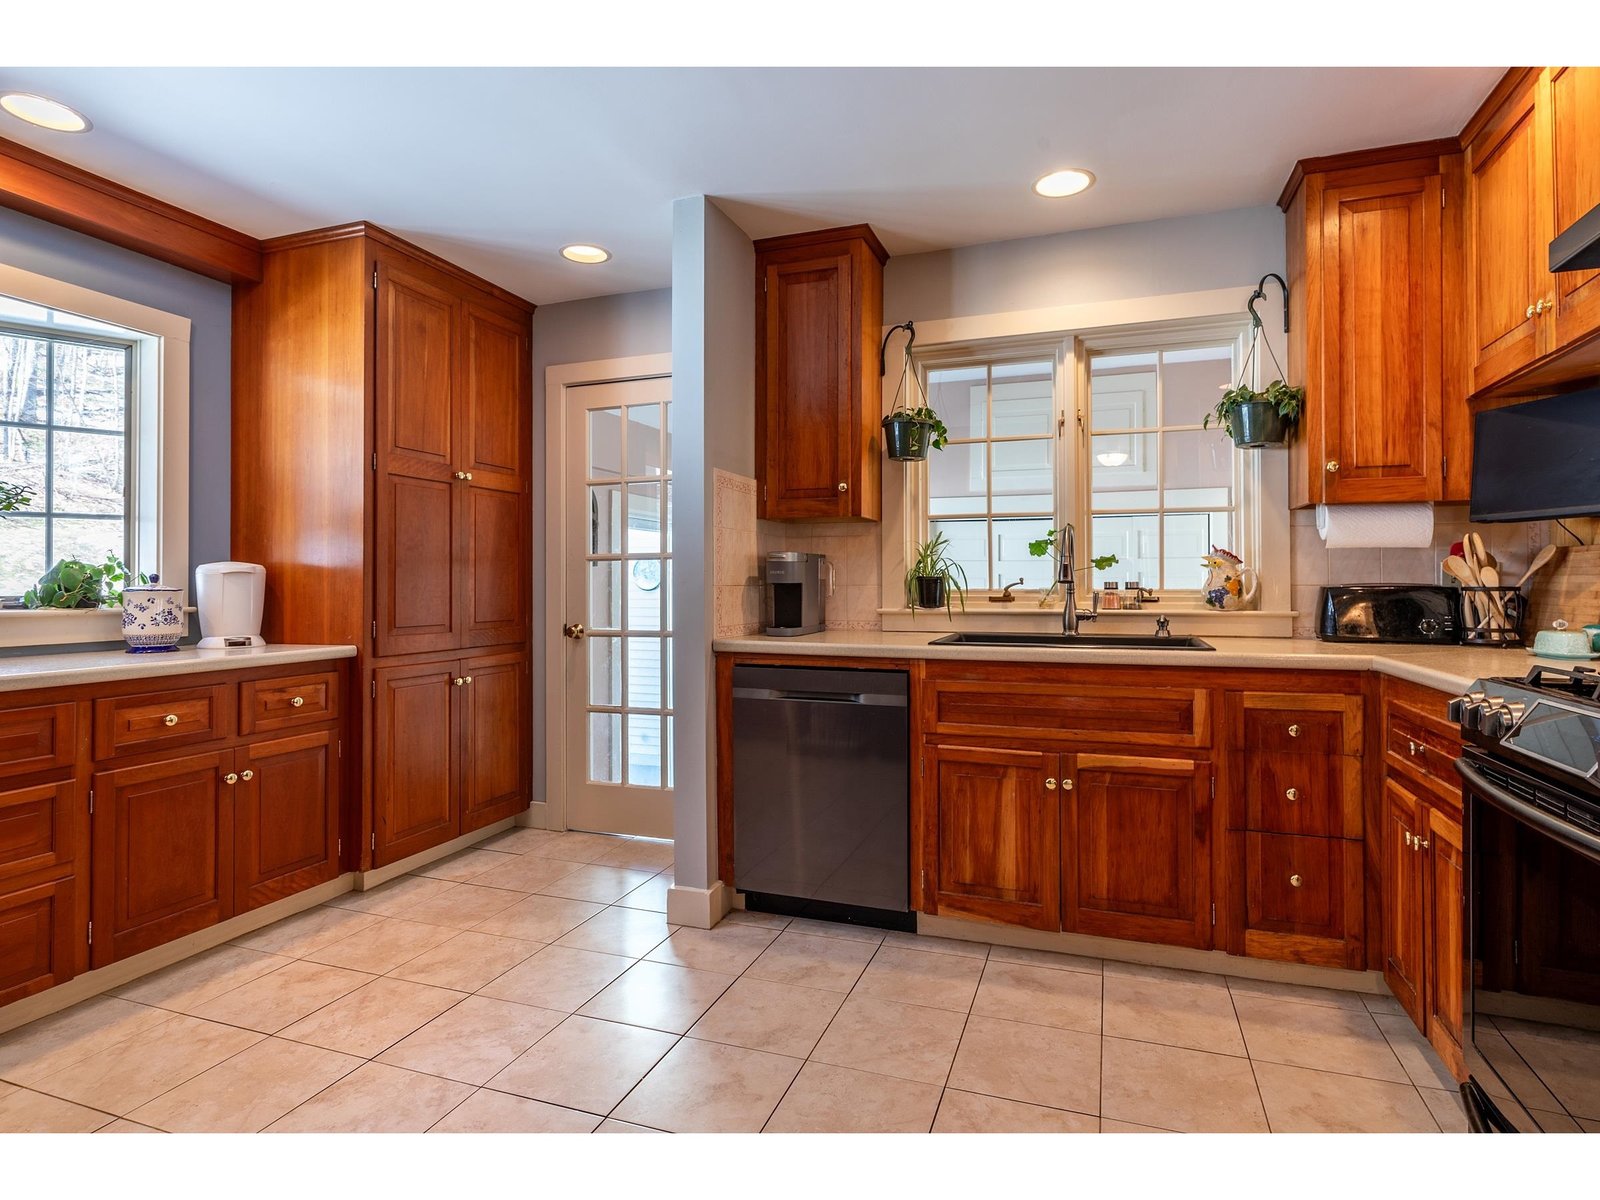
x,y
618,620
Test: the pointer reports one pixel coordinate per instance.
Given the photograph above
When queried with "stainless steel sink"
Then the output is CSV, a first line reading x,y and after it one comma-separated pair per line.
x,y
1086,641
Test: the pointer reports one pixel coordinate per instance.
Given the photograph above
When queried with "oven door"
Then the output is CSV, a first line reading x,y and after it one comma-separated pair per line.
x,y
1532,952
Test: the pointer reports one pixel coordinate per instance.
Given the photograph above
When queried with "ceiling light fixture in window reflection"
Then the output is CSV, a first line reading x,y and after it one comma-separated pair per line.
x,y
1112,458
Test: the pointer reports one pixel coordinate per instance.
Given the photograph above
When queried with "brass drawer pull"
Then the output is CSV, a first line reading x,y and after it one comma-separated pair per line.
x,y
1294,731
1294,881
170,720
230,778
1292,794
298,701
1408,837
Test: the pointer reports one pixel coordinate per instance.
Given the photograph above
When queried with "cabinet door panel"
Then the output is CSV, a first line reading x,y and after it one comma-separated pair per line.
x,y
495,399
163,853
1403,951
495,725
40,938
287,819
1382,381
416,590
1303,899
1574,99
1505,254
1136,859
807,388
414,760
415,373
995,835
496,573
1445,883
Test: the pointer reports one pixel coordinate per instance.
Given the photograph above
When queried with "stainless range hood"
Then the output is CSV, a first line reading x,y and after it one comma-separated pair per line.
x,y
1578,249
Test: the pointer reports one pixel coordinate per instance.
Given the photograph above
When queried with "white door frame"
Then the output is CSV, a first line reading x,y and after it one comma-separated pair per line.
x,y
557,379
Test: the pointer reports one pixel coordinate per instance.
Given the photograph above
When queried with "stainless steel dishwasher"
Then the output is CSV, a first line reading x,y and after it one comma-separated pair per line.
x,y
821,793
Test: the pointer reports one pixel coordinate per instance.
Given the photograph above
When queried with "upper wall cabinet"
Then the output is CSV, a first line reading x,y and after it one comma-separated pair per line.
x,y
1531,173
1371,243
819,313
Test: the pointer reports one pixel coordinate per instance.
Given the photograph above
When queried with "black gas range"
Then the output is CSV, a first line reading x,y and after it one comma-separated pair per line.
x,y
1530,770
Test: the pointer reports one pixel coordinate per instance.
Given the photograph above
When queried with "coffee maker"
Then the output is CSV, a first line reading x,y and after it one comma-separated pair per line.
x,y
796,600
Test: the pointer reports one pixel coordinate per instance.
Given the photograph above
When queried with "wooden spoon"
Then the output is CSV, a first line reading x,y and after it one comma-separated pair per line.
x,y
1540,561
1456,567
1496,618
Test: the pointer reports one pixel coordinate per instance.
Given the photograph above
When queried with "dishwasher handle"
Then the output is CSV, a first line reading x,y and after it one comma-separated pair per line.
x,y
748,693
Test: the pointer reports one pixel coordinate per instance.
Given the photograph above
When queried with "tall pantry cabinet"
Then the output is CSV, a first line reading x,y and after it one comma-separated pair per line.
x,y
382,475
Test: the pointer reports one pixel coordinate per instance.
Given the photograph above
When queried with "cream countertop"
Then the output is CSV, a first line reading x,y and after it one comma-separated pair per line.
x,y
22,672
1447,668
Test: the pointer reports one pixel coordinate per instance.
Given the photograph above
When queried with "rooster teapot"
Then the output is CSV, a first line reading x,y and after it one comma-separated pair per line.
x,y
1229,585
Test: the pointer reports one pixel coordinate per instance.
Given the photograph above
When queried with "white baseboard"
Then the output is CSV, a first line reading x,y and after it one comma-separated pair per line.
x,y
698,908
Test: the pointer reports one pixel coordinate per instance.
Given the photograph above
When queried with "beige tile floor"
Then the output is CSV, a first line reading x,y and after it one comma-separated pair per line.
x,y
533,985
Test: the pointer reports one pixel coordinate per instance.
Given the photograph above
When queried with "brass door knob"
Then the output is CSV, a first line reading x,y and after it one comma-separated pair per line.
x,y
1333,466
1294,881
1292,794
1050,785
170,720
247,775
298,701
1294,731
575,631
230,777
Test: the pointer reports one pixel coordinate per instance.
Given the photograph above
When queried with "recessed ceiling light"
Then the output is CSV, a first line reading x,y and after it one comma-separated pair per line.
x,y
1065,183
581,252
44,112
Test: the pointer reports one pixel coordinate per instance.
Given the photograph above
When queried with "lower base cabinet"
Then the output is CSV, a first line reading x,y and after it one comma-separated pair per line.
x,y
286,817
495,715
1303,899
40,936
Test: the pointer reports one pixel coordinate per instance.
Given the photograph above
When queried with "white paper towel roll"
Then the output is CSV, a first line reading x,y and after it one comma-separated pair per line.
x,y
1375,525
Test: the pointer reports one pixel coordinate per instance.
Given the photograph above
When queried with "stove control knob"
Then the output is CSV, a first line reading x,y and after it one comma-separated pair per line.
x,y
1459,705
1497,722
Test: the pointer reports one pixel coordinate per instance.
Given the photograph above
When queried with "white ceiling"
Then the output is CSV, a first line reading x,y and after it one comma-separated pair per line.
x,y
498,168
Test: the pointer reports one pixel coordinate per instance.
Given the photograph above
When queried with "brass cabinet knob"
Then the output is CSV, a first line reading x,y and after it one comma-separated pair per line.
x,y
298,701
1294,881
230,777
466,679
170,720
1050,785
247,775
1294,731
1066,785
843,486
464,475
1333,466
1532,311
1292,794
459,682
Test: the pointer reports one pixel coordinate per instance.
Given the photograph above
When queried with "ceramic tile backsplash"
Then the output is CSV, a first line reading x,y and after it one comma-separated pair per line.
x,y
742,543
1312,565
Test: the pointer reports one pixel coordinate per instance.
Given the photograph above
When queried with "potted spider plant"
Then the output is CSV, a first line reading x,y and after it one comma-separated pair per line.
x,y
934,576
1255,419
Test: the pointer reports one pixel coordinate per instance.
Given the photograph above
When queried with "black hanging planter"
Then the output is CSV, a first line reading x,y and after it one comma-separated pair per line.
x,y
907,438
1257,423
930,591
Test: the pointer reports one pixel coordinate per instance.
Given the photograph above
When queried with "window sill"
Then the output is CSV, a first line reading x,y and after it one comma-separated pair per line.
x,y
22,627
1025,614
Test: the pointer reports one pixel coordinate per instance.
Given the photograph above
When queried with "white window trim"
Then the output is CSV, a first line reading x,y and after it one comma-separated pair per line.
x,y
1263,474
159,451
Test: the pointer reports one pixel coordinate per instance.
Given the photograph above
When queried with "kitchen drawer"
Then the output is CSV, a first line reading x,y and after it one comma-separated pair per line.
x,y
269,704
41,938
1290,723
1315,794
37,829
1013,704
41,737
1419,741
158,720
1302,898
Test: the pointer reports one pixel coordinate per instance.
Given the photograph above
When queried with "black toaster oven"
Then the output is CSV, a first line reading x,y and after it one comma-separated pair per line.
x,y
1389,612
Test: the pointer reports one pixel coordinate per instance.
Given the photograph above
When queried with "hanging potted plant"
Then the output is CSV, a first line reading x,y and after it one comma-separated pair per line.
x,y
1255,419
910,430
934,576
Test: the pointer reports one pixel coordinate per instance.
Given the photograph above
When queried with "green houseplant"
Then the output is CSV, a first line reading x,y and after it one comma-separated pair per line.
x,y
74,584
1050,545
909,433
934,575
1255,419
14,496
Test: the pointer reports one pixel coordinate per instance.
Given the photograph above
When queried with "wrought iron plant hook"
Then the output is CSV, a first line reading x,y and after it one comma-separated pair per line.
x,y
1261,294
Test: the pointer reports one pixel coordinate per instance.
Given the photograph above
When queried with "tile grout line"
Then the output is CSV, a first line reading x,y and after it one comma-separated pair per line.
x,y
1254,1078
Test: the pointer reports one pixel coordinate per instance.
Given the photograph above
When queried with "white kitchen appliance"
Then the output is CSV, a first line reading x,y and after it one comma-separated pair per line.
x,y
229,596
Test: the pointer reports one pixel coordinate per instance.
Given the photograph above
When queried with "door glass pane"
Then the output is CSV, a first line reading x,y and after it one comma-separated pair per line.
x,y
605,671
644,750
666,746
605,747
644,440
644,518
605,443
646,679
649,590
605,595
605,519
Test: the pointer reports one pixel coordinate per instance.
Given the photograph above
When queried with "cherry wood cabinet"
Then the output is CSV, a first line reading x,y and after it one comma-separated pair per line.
x,y
994,834
1572,97
286,817
819,316
494,752
1404,956
1136,842
1371,246
41,832
383,474
1444,887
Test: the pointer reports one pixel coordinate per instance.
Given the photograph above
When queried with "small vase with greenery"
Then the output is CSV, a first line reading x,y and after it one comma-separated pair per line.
x,y
1254,419
934,575
1049,546
74,584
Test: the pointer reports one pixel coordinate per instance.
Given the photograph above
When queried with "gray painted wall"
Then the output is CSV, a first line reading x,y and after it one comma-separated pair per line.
x,y
47,249
578,331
